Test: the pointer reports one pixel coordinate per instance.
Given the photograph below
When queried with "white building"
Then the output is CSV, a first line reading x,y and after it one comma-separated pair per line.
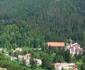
x,y
18,49
38,61
1,49
27,62
74,49
60,66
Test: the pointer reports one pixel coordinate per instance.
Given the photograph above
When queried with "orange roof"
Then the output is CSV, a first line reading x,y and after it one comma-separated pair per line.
x,y
27,54
56,44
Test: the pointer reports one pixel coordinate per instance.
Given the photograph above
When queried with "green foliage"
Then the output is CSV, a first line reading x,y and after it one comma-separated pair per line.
x,y
67,56
79,64
46,62
2,56
10,36
33,63
32,23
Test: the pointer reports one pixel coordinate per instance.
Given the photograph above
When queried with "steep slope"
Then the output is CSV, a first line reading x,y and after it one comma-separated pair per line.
x,y
38,21
80,5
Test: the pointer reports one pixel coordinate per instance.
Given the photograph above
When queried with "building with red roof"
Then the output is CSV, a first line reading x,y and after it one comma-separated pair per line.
x,y
75,69
75,49
55,44
67,66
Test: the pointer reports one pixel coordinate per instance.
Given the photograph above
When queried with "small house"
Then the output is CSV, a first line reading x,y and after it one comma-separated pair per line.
x,y
67,66
75,49
38,61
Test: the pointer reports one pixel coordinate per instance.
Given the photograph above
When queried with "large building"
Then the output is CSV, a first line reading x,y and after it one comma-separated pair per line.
x,y
55,44
74,49
66,66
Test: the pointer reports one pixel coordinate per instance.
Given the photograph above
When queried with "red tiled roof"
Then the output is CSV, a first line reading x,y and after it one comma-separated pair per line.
x,y
75,69
56,44
57,64
64,64
75,45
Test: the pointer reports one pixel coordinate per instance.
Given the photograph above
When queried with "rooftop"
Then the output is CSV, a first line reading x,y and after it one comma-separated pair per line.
x,y
56,44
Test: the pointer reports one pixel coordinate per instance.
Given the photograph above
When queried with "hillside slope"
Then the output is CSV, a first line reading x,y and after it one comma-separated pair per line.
x,y
32,22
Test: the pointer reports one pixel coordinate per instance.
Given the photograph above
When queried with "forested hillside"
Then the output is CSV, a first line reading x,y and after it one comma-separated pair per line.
x,y
34,22
80,6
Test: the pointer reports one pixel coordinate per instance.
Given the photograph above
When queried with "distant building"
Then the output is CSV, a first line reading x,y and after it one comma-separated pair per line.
x,y
13,58
38,61
27,62
27,56
55,44
67,66
74,49
20,57
1,49
18,49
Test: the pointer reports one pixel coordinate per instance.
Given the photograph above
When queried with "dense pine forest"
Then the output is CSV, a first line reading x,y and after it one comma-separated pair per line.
x,y
32,23
26,22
